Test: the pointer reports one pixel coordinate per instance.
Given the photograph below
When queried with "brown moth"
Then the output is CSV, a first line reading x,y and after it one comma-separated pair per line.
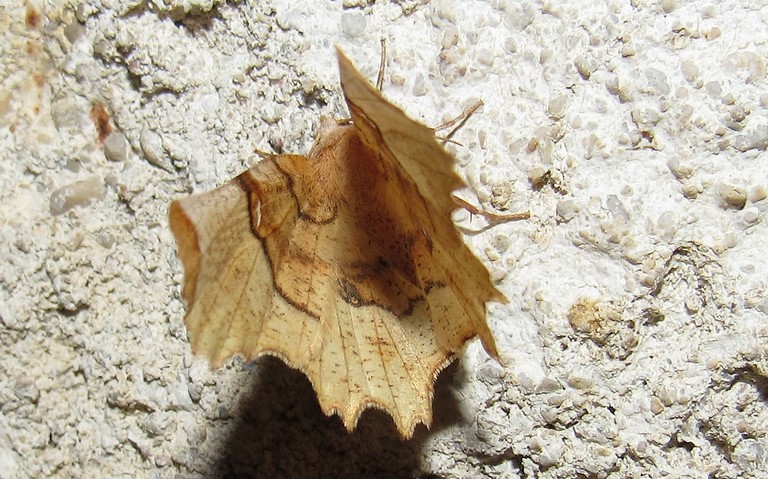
x,y
344,263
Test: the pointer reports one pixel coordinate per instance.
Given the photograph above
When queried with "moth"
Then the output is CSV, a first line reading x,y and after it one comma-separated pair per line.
x,y
344,263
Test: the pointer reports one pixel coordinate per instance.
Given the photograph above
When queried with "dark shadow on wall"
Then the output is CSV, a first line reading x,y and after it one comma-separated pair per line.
x,y
282,433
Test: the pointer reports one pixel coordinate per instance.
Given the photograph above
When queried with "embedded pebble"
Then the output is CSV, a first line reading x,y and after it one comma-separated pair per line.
x,y
108,440
105,239
737,114
578,381
748,62
116,147
547,449
73,31
84,11
180,397
618,88
645,118
656,405
501,243
667,395
288,19
485,56
732,196
443,12
566,210
352,24
750,453
668,5
586,66
714,89
546,54
757,193
681,172
713,33
628,47
71,113
656,81
157,423
548,385
690,70
751,215
755,140
419,88
152,146
557,106
79,193
617,208
583,316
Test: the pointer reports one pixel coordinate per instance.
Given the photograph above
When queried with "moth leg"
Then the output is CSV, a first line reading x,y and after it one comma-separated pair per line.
x,y
492,218
459,121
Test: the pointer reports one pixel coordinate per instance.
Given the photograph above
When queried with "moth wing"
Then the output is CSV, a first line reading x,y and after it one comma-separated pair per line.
x,y
408,146
232,304
356,357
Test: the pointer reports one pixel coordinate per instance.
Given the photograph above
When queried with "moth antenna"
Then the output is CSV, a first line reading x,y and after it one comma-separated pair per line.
x,y
382,64
263,154
448,140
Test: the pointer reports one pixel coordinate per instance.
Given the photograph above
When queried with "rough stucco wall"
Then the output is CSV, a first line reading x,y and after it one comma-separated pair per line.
x,y
634,132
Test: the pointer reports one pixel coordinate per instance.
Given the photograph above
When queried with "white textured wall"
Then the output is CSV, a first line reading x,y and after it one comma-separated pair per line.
x,y
634,132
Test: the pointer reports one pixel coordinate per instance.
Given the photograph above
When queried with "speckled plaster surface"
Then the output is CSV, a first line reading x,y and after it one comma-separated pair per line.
x,y
634,132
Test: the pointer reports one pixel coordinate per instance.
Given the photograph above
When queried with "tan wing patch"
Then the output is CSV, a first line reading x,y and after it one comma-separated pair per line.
x,y
345,264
